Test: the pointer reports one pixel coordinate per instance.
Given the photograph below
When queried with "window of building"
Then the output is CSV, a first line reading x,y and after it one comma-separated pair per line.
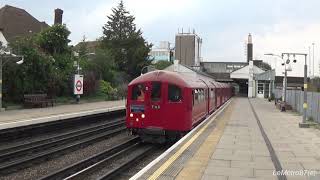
x,y
156,91
138,93
260,88
174,93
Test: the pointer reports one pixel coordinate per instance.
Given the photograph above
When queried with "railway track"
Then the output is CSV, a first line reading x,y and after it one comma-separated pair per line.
x,y
20,156
106,164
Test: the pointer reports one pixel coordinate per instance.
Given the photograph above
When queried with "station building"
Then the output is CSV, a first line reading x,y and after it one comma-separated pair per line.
x,y
250,78
162,52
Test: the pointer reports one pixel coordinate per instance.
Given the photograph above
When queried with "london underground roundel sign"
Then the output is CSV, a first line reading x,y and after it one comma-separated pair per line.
x,y
78,84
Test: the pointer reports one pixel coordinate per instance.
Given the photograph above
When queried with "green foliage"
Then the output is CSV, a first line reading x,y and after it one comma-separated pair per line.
x,y
162,64
31,76
107,90
54,40
47,66
128,47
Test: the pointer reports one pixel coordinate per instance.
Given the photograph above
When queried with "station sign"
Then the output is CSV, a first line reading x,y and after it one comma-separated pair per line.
x,y
78,84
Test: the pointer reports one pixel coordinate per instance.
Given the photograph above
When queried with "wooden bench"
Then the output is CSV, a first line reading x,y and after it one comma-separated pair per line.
x,y
282,106
37,100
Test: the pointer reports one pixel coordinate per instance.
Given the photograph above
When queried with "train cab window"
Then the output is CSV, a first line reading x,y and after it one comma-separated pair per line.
x,y
138,93
196,96
156,91
174,93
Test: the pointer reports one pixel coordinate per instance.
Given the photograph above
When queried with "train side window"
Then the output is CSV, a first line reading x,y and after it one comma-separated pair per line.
x,y
156,91
196,96
174,93
212,94
192,97
138,93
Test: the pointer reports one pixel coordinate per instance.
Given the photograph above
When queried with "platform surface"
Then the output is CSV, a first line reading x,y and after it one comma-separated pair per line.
x,y
232,147
14,118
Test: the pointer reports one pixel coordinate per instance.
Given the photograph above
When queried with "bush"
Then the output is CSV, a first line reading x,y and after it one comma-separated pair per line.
x,y
107,90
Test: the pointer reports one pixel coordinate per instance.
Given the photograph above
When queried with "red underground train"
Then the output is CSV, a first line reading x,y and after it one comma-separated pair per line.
x,y
164,105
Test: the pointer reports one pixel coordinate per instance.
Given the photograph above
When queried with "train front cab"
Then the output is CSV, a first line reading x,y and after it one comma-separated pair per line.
x,y
155,110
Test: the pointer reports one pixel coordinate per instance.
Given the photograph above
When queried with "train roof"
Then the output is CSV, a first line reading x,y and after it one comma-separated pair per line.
x,y
183,80
169,77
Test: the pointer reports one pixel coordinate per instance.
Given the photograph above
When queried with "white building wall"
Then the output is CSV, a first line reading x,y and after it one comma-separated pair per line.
x,y
3,39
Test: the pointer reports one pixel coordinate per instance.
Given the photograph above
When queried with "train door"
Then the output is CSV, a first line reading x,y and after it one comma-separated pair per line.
x,y
213,99
155,105
175,105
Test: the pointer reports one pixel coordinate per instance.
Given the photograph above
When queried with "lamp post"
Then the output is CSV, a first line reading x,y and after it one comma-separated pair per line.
x,y
4,55
285,79
313,59
284,85
77,65
305,85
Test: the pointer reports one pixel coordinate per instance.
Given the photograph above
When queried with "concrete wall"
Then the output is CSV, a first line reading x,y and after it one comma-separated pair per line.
x,y
185,49
222,67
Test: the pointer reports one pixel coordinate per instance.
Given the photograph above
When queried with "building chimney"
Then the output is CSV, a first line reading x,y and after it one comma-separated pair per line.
x,y
58,16
249,49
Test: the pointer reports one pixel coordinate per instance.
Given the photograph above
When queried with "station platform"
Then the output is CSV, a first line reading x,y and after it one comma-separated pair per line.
x,y
23,117
247,139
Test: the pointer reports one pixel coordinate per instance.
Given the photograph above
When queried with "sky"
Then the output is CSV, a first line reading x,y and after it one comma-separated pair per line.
x,y
276,26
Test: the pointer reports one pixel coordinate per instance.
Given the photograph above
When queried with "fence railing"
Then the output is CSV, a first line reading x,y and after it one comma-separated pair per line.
x,y
295,99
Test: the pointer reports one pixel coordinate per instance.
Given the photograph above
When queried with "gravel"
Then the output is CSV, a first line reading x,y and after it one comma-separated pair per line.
x,y
142,163
39,170
106,167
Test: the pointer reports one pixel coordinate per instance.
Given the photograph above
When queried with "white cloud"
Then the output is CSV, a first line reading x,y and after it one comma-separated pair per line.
x,y
146,11
88,21
289,38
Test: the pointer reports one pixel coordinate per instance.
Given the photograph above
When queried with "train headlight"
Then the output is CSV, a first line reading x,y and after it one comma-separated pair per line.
x,y
143,116
137,119
131,115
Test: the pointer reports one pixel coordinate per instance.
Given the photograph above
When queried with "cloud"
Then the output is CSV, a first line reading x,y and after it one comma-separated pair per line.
x,y
89,21
288,37
147,12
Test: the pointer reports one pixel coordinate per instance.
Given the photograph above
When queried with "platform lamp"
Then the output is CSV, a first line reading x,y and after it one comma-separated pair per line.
x,y
284,63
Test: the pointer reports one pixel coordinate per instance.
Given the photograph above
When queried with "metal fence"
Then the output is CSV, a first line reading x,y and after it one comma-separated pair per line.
x,y
295,99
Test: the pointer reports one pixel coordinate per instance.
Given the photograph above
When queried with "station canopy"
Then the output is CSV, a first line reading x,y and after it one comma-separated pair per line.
x,y
243,73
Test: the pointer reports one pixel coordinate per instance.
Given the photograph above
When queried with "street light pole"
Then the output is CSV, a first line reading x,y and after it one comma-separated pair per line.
x,y
284,96
310,61
313,59
305,87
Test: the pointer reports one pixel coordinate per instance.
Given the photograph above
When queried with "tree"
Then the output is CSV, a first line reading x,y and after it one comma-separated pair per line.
x,y
129,49
32,75
263,65
162,64
47,66
54,40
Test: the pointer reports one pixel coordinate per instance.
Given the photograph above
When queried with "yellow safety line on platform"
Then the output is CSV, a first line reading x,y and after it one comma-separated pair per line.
x,y
167,164
196,166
